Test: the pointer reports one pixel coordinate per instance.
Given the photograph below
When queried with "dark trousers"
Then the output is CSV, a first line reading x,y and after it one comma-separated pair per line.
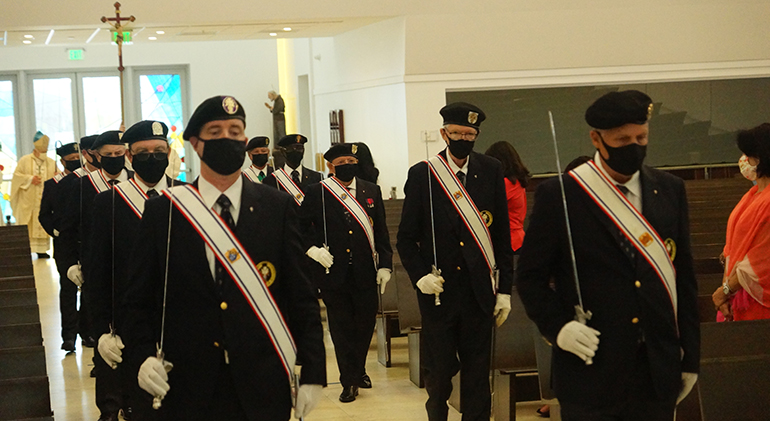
x,y
456,329
109,395
352,313
68,304
639,402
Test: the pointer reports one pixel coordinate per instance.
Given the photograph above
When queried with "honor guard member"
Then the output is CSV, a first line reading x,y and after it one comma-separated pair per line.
x,y
347,222
642,340
454,241
293,177
51,211
73,321
114,227
258,154
214,290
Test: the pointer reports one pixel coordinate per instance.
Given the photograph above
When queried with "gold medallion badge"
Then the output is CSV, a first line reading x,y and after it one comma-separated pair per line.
x,y
458,195
299,196
344,196
671,248
233,255
230,105
487,217
267,270
649,111
157,129
473,117
354,149
645,239
299,139
371,221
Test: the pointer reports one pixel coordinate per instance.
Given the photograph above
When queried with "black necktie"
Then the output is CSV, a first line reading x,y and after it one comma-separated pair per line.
x,y
295,177
113,182
224,203
152,193
461,177
623,189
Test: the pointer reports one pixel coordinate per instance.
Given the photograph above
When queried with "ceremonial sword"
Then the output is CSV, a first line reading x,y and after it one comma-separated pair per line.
x,y
581,315
156,402
112,265
435,271
323,210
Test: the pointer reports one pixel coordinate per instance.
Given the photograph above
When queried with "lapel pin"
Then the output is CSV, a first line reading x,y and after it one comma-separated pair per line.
x,y
475,176
251,208
655,191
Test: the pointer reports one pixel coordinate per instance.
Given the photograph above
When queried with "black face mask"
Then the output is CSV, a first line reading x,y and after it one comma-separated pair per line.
x,y
94,161
294,157
460,148
73,165
224,156
150,166
626,160
259,160
113,164
345,172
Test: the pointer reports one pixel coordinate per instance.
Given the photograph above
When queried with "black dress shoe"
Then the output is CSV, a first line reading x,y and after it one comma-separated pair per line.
x,y
43,256
68,345
366,382
349,394
89,342
93,373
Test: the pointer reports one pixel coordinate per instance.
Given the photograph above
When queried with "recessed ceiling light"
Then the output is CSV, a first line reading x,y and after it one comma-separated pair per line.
x,y
50,35
96,31
26,41
152,38
287,29
29,36
160,32
272,34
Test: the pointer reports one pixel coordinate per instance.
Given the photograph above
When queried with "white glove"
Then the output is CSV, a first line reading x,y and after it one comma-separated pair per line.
x,y
688,381
431,284
383,277
109,348
153,377
75,275
321,255
578,339
502,308
308,396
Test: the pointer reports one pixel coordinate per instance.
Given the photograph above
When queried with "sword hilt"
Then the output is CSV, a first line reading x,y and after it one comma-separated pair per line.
x,y
436,272
327,249
583,317
157,400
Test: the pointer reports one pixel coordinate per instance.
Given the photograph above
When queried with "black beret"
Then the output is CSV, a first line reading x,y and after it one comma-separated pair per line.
x,y
341,149
292,139
463,114
146,130
69,148
258,142
214,109
87,142
110,137
617,109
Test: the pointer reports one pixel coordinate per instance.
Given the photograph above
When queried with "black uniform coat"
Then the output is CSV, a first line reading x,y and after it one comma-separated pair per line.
x,y
608,277
51,209
308,177
198,329
455,247
67,220
100,259
347,240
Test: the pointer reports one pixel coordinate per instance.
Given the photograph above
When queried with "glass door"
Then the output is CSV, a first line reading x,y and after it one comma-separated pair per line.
x,y
54,99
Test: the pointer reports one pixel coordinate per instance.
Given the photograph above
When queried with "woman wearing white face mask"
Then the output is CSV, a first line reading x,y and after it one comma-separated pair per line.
x,y
745,292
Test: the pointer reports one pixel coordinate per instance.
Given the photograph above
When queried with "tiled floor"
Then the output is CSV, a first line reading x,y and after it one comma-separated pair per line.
x,y
393,397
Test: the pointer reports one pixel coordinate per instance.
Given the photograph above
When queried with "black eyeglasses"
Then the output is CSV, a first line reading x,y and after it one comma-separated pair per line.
x,y
461,136
145,156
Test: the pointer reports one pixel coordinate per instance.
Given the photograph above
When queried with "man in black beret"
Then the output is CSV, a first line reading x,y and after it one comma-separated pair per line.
x,y
228,278
464,280
294,177
258,153
51,211
638,355
114,228
345,222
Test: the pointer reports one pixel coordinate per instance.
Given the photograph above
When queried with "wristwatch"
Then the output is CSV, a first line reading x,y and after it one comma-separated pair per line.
x,y
726,289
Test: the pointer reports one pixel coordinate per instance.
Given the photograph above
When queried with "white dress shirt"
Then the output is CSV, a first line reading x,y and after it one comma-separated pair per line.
x,y
634,185
210,194
289,170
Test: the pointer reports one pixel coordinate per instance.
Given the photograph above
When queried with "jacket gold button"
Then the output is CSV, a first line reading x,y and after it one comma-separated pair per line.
x,y
216,344
635,320
350,232
458,268
223,305
347,250
638,284
462,244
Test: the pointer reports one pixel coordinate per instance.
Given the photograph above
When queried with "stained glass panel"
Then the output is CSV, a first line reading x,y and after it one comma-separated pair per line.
x,y
161,97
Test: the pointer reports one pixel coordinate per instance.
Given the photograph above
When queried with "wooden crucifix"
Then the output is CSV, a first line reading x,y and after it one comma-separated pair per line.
x,y
116,23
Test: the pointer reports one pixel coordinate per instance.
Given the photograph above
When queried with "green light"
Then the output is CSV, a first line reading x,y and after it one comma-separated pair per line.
x,y
75,54
126,37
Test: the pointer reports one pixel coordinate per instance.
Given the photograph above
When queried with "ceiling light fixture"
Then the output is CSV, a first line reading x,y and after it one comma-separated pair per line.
x,y
26,41
93,35
152,38
5,37
272,34
29,36
160,32
287,29
50,35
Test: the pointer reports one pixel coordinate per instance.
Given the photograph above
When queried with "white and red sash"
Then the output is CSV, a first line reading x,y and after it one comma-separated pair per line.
x,y
99,181
234,257
81,172
133,195
631,223
288,184
350,203
58,177
253,175
467,211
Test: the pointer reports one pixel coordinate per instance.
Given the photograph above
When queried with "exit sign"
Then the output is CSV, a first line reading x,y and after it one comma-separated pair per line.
x,y
126,37
75,54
